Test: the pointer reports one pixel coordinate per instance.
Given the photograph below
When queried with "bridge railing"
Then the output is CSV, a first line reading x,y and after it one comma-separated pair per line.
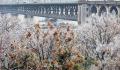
x,y
37,1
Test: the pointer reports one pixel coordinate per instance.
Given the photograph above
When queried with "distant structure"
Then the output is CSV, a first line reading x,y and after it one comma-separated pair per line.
x,y
36,1
88,7
61,9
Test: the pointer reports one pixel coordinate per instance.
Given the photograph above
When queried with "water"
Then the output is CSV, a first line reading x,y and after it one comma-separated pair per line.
x,y
44,20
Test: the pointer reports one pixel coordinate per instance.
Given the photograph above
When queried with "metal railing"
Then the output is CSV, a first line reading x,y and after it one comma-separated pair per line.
x,y
36,1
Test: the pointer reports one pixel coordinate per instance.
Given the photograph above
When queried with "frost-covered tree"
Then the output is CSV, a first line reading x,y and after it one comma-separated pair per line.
x,y
99,38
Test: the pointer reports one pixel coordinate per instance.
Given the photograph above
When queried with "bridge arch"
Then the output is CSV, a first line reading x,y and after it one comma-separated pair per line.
x,y
93,9
114,10
102,10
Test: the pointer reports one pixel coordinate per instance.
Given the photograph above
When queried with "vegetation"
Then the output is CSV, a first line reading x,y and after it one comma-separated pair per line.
x,y
91,46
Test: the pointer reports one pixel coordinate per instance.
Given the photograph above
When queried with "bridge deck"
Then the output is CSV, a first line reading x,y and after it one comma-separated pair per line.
x,y
65,2
59,11
53,10
37,1
100,2
41,4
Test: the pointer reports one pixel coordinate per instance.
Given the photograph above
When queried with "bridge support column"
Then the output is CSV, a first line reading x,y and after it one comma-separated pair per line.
x,y
98,9
107,9
118,12
79,14
82,13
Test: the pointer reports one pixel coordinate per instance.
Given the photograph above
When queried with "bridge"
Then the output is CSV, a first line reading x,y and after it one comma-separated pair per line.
x,y
76,10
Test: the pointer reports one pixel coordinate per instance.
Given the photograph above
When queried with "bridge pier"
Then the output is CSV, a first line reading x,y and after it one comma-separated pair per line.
x,y
82,13
85,9
79,14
